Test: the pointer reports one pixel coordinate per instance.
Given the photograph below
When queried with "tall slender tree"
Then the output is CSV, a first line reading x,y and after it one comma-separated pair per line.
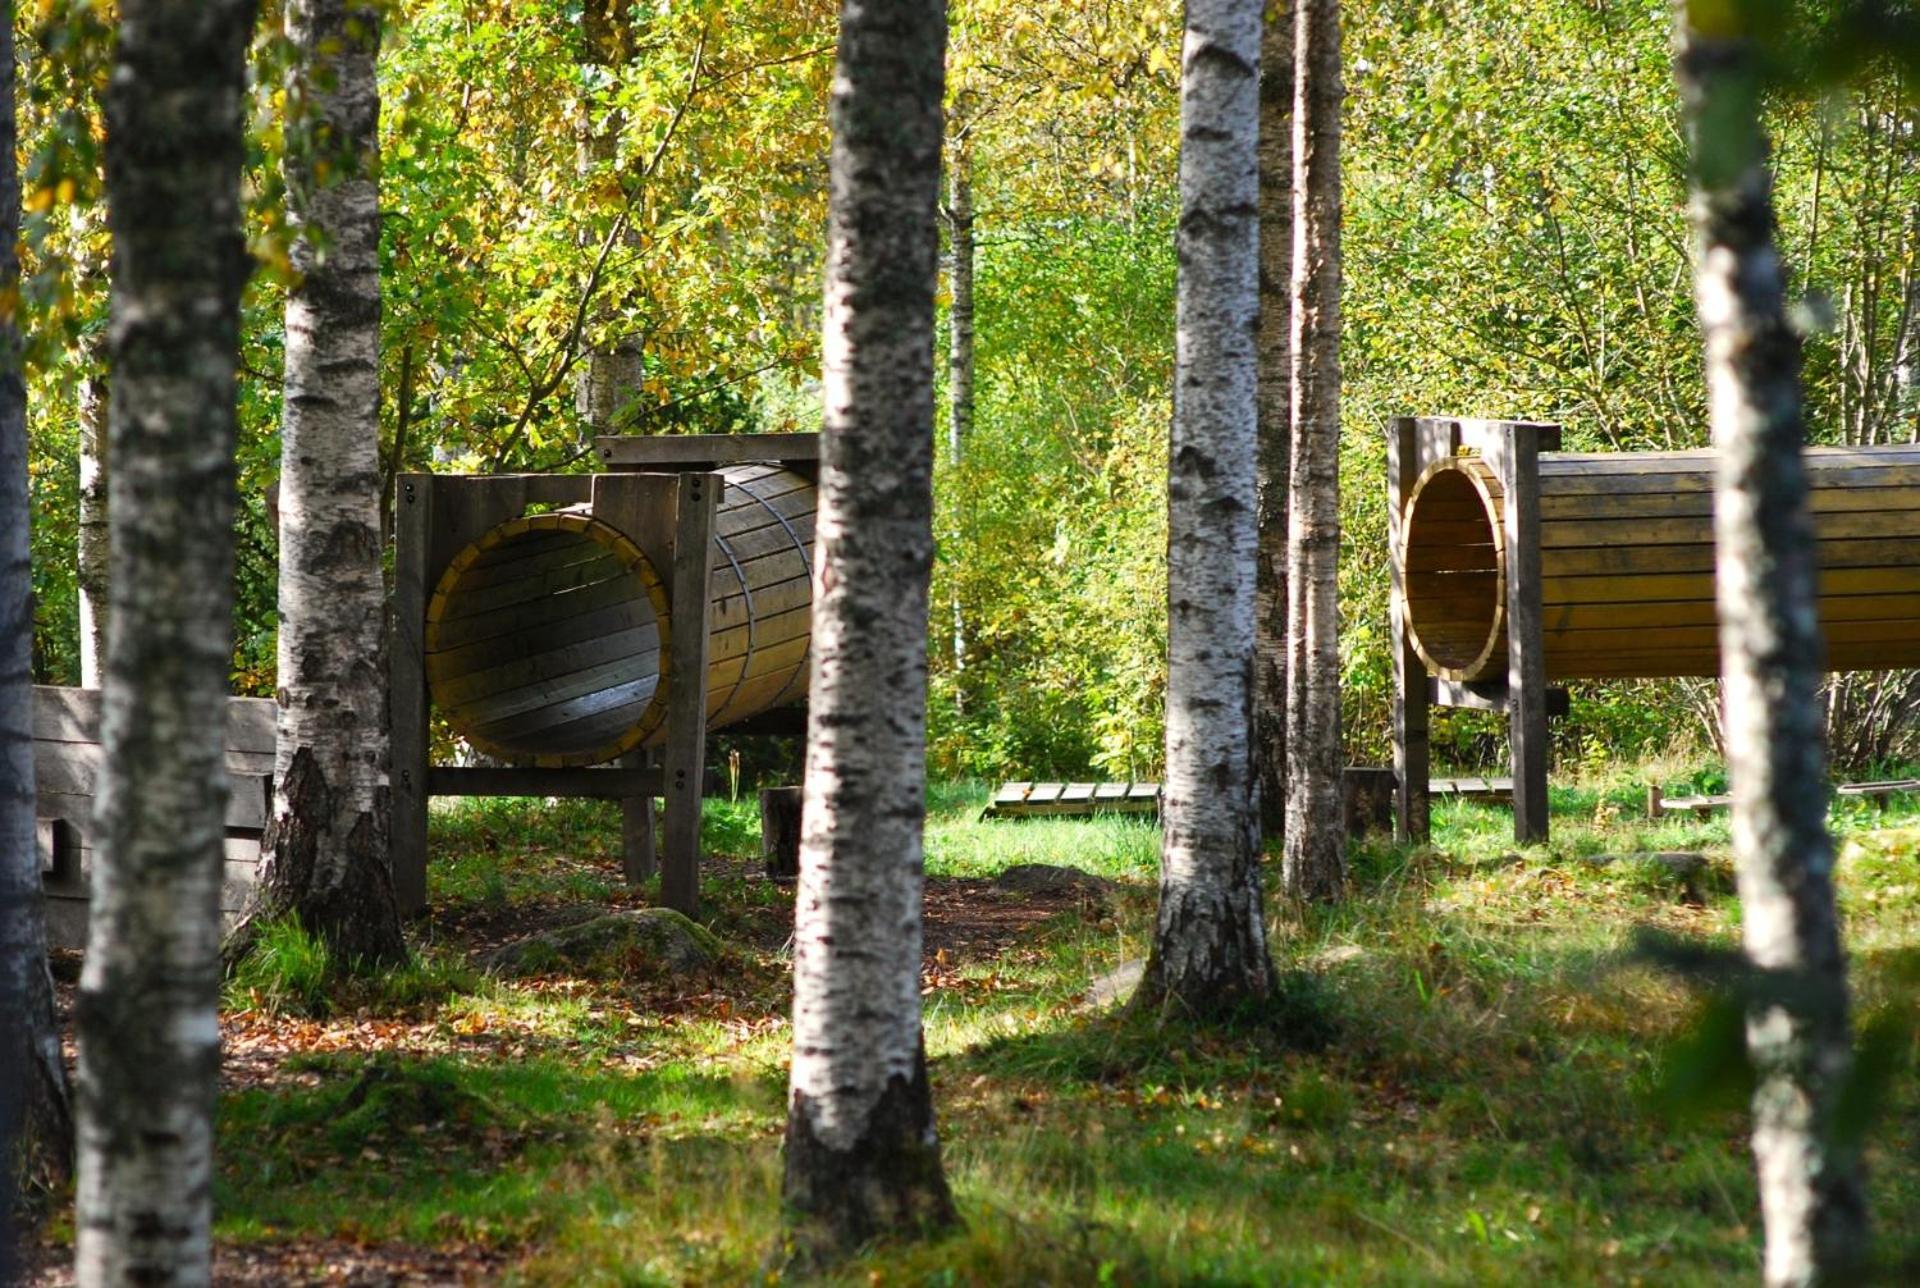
x,y
960,363
1210,943
91,564
1798,1037
325,857
609,381
1275,349
35,1135
149,1033
863,1159
1315,866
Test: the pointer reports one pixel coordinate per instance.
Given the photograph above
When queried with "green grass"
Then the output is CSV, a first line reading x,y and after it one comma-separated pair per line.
x,y
1472,1077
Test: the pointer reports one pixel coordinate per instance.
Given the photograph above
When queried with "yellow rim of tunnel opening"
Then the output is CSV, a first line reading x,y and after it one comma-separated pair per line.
x,y
631,557
1486,486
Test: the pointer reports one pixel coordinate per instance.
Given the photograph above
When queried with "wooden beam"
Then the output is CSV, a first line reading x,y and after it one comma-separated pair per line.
x,y
1490,695
1526,648
407,693
1409,442
637,858
698,496
703,451
600,784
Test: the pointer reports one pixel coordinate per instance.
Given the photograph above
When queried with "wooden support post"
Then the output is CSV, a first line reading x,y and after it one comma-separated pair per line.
x,y
1513,449
1369,792
1412,758
407,693
780,831
636,830
696,497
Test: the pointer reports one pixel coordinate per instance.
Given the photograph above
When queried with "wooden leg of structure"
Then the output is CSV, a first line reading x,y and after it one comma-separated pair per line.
x,y
637,858
1526,662
407,694
687,690
1412,762
780,831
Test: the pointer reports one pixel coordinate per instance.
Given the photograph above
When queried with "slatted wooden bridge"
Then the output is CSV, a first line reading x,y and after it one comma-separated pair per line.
x,y
1034,800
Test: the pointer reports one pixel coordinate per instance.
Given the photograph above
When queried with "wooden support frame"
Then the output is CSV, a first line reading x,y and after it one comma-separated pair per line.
x,y
669,516
1512,449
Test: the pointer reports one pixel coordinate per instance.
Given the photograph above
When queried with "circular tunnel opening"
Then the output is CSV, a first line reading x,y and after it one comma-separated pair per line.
x,y
546,640
1455,570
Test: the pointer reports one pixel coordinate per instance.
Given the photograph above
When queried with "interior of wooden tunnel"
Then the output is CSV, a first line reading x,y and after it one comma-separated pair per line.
x,y
1454,570
549,639
544,640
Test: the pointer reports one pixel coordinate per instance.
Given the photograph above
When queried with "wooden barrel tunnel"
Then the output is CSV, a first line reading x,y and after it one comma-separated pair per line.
x,y
1627,560
548,639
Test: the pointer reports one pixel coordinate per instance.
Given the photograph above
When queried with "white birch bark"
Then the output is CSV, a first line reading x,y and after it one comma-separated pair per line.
x,y
1210,948
1275,349
862,1156
1798,1037
960,346
149,1036
35,1134
325,857
960,310
91,563
1315,865
612,375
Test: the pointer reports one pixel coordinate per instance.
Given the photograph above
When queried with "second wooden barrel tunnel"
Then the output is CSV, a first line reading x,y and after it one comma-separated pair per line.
x,y
548,639
1627,563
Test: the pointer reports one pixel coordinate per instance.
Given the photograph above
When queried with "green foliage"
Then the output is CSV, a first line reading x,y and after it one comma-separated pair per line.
x,y
656,181
1053,527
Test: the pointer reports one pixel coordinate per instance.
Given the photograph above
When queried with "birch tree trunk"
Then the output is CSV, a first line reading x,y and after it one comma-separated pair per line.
x,y
1811,1196
863,1159
960,348
960,311
1275,349
91,565
149,1035
36,1136
1315,866
611,376
325,859
1210,945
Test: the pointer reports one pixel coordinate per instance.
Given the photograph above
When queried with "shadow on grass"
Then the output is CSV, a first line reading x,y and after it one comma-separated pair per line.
x,y
386,1147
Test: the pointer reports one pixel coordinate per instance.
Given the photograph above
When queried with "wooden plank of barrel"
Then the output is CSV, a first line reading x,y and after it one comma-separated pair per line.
x,y
549,637
1627,558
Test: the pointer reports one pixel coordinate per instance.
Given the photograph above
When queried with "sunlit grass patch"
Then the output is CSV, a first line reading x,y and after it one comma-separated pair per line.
x,y
290,972
959,843
1493,1098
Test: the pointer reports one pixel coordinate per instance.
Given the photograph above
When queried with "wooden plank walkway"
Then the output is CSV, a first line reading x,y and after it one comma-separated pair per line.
x,y
1472,788
1035,800
1038,800
1881,792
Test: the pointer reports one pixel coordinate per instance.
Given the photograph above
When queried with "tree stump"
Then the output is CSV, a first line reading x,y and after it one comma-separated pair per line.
x,y
1369,793
780,832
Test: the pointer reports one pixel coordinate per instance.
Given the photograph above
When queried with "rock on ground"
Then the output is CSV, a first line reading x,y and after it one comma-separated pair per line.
x,y
1117,985
641,941
1052,879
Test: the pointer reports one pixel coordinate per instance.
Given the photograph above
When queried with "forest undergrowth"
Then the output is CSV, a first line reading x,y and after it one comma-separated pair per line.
x,y
1477,1072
